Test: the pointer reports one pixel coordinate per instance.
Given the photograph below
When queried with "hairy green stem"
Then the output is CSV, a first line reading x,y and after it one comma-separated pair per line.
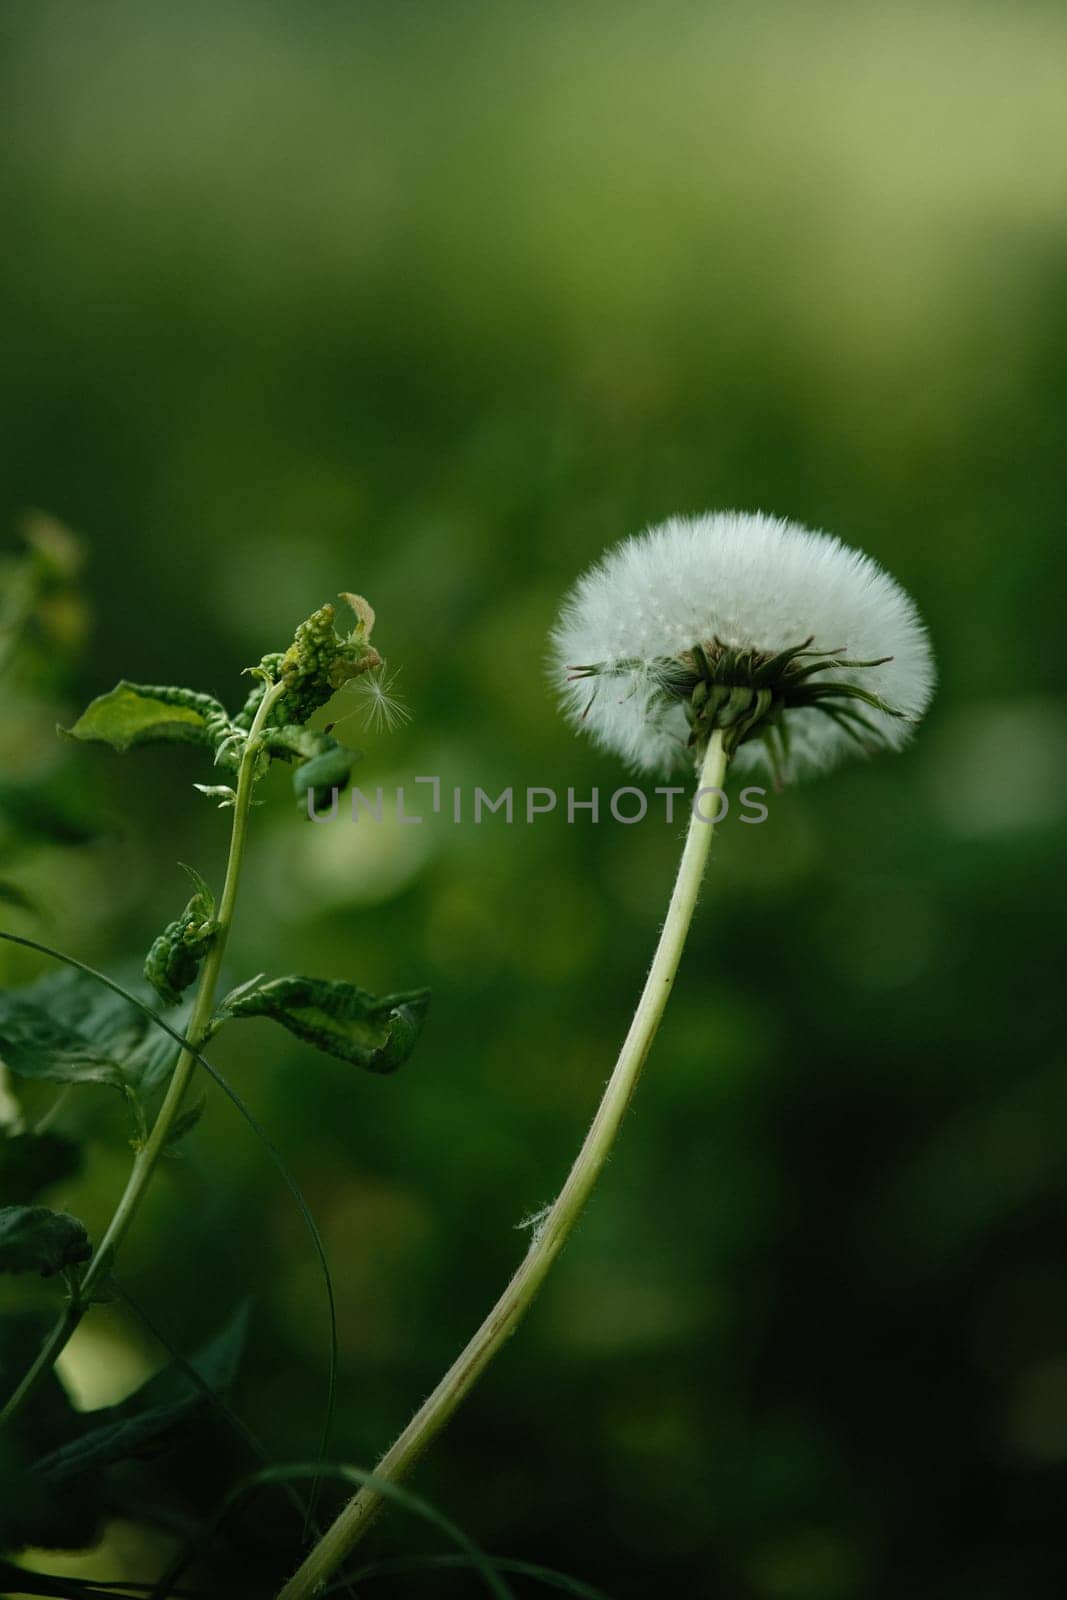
x,y
551,1233
148,1156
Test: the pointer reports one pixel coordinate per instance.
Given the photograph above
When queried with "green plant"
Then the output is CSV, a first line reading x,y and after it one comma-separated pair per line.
x,y
75,1027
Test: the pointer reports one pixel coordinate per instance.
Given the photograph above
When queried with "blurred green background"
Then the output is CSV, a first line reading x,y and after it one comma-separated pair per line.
x,y
433,303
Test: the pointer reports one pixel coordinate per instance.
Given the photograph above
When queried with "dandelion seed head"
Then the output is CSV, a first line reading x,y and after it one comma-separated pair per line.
x,y
740,586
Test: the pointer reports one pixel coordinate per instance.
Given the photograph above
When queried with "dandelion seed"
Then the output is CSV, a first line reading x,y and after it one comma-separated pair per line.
x,y
380,707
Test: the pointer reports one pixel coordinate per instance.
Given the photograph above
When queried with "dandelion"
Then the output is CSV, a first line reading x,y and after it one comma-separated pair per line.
x,y
713,640
800,649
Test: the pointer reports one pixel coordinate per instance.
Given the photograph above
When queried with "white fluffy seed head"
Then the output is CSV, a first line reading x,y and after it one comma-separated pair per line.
x,y
749,581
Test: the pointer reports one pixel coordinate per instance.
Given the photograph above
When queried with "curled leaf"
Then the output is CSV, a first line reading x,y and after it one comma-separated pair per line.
x,y
364,612
174,959
291,739
133,714
378,1033
323,773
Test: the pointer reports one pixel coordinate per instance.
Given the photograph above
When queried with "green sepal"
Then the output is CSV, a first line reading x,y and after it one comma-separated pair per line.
x,y
747,694
378,1033
36,1239
819,692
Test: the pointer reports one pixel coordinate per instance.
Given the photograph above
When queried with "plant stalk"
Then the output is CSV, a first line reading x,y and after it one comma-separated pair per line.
x,y
551,1234
149,1155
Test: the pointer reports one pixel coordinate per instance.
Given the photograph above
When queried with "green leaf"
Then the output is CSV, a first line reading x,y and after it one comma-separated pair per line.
x,y
35,1239
150,1062
144,1420
105,1022
132,714
72,999
329,770
35,1042
30,1162
338,1018
294,740
116,994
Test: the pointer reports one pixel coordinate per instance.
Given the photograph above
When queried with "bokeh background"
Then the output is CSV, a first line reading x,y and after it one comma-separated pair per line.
x,y
433,303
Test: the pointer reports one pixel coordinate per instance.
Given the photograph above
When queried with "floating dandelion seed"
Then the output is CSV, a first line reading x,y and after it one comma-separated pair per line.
x,y
798,647
380,707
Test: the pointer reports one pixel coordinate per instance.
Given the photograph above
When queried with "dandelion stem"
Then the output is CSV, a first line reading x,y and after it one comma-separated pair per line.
x,y
551,1235
148,1156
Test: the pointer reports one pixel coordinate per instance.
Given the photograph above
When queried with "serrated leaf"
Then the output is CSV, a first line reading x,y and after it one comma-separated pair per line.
x,y
35,1043
73,999
35,1239
30,1162
105,1023
378,1033
131,715
144,1420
